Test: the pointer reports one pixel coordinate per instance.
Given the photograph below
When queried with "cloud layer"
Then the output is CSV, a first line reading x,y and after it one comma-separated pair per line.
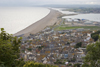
x,y
42,2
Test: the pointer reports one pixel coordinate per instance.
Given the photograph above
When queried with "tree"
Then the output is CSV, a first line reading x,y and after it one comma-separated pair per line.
x,y
9,49
78,45
35,64
95,35
77,65
69,64
92,58
85,65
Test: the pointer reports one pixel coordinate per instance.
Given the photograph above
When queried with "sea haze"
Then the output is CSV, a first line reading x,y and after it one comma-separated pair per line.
x,y
14,19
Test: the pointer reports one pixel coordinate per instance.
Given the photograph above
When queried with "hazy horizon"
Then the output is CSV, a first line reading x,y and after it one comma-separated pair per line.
x,y
47,2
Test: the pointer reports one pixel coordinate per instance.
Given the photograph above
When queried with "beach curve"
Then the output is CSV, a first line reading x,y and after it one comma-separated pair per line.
x,y
34,28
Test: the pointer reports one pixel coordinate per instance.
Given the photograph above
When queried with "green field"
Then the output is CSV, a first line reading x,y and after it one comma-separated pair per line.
x,y
76,27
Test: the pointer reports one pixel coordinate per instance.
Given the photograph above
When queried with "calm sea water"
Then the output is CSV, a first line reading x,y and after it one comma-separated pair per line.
x,y
91,17
14,19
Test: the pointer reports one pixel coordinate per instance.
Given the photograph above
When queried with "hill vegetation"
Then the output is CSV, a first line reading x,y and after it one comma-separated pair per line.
x,y
92,58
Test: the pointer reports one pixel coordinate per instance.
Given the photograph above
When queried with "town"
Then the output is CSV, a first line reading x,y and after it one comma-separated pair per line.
x,y
58,47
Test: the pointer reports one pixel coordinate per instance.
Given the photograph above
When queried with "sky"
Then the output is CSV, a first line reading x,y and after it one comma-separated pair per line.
x,y
46,2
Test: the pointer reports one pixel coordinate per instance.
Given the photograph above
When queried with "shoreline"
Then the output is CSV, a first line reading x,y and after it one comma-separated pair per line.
x,y
36,27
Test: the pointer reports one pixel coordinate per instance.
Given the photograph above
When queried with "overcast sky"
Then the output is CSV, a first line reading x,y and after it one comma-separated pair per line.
x,y
43,2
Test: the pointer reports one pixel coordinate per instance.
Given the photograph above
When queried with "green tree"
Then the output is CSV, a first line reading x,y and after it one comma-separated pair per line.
x,y
92,58
9,49
78,45
85,65
77,65
35,64
69,64
95,37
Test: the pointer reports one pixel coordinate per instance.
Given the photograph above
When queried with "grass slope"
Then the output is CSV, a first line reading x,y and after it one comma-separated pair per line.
x,y
76,27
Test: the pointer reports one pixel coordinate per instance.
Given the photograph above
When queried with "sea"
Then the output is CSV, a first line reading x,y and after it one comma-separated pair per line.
x,y
14,19
90,16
